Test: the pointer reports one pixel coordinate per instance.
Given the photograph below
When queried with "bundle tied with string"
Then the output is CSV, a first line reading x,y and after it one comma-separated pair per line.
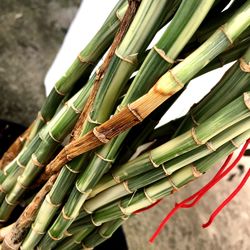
x,y
78,194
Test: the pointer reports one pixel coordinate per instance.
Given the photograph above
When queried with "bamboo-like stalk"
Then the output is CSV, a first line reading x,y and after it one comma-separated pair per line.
x,y
161,188
103,233
123,64
155,54
76,239
234,82
15,168
60,125
226,57
223,119
88,238
162,169
105,68
131,42
66,177
229,115
170,44
172,41
82,65
38,155
145,132
15,236
192,171
140,134
131,185
214,20
47,143
163,46
176,79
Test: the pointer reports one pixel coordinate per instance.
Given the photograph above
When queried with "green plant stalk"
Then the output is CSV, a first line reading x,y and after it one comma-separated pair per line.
x,y
14,168
131,44
213,21
82,65
234,82
201,165
98,166
161,188
51,204
131,185
232,30
51,136
140,33
53,200
92,53
232,113
136,88
103,233
145,131
223,119
14,164
172,41
59,126
238,87
87,238
76,239
139,134
235,87
59,129
226,57
70,110
170,44
230,55
160,92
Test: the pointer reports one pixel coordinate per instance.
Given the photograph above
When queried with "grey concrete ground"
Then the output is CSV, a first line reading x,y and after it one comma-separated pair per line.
x,y
31,32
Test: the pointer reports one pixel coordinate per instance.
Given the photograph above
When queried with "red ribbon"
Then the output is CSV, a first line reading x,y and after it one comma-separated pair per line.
x,y
193,199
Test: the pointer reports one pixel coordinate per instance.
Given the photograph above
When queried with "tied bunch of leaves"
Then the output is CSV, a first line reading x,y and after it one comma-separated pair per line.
x,y
72,171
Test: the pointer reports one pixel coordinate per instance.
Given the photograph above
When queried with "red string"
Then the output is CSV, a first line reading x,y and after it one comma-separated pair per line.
x,y
146,208
227,200
199,194
184,204
223,171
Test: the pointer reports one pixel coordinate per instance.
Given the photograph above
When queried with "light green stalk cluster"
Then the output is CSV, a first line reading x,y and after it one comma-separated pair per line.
x,y
186,142
120,69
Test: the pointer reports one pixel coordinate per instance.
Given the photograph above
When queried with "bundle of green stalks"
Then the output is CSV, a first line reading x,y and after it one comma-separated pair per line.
x,y
76,174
